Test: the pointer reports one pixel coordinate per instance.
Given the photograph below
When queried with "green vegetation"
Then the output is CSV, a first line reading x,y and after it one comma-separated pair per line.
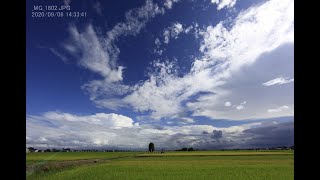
x,y
168,165
62,156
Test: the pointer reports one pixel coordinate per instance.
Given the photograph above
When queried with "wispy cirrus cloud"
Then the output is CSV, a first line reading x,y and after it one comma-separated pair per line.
x,y
279,80
92,53
279,109
98,52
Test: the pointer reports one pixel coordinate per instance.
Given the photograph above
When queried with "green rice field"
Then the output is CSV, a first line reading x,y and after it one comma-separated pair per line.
x,y
169,165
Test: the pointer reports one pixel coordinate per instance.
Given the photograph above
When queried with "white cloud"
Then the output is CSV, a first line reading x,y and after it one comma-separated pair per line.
x,y
92,53
197,30
157,49
59,130
155,95
224,3
176,30
172,32
266,27
168,3
61,56
243,103
166,35
255,31
239,107
159,52
279,80
99,53
246,84
187,120
279,109
188,29
108,120
157,42
136,19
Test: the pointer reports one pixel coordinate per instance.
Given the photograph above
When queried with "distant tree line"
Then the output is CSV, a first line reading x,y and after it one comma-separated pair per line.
x,y
151,149
187,149
31,149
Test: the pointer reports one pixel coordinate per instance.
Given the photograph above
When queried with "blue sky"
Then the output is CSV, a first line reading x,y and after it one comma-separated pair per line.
x,y
170,71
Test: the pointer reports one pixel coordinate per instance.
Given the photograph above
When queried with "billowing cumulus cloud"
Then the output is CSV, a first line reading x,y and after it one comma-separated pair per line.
x,y
112,131
108,120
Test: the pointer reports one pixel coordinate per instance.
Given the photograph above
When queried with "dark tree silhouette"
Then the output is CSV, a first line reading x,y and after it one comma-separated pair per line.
x,y
184,149
31,149
151,147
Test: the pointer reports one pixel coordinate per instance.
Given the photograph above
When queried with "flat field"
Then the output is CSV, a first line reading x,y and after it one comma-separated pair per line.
x,y
169,165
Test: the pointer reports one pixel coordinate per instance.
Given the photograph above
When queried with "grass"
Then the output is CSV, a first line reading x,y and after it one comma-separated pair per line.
x,y
62,156
42,163
173,165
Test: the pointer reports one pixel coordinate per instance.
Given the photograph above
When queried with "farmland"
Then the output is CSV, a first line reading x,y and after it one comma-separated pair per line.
x,y
169,165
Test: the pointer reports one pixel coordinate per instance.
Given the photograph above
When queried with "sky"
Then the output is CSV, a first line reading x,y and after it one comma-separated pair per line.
x,y
208,74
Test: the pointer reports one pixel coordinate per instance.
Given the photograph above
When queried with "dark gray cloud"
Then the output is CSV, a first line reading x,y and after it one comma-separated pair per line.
x,y
216,134
272,135
205,132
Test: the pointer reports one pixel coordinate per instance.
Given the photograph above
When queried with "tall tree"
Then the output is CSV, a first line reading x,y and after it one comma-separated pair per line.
x,y
151,147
